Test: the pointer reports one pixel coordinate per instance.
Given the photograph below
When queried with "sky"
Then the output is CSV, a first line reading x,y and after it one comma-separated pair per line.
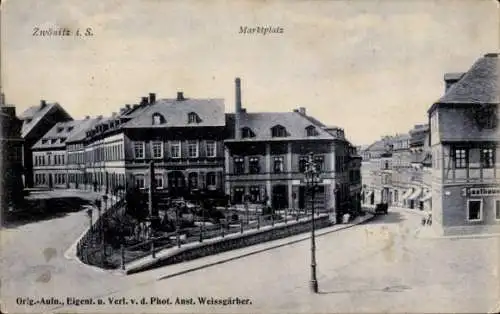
x,y
370,67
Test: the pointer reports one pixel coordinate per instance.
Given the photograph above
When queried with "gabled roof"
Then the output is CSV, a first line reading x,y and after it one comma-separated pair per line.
x,y
175,112
81,133
295,124
34,114
478,86
57,136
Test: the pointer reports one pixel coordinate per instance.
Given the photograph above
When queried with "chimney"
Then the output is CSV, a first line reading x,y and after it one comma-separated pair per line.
x,y
144,101
122,110
99,117
180,96
43,104
302,110
237,109
135,106
87,117
152,98
2,99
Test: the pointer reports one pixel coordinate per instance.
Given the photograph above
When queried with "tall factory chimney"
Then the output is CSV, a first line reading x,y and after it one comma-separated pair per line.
x,y
237,127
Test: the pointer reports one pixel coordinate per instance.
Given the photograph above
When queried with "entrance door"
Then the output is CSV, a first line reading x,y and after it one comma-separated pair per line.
x,y
280,197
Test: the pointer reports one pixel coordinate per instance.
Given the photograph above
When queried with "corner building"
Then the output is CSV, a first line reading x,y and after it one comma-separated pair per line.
x,y
266,154
464,140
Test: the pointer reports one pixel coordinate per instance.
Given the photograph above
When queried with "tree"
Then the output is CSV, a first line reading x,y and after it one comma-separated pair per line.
x,y
136,204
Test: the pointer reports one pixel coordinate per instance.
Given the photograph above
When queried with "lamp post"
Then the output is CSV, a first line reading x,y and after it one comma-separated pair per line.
x,y
312,176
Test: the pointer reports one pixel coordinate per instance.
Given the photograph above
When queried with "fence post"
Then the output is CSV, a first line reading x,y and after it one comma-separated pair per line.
x,y
258,222
153,248
286,214
272,219
241,226
122,253
201,233
178,237
222,230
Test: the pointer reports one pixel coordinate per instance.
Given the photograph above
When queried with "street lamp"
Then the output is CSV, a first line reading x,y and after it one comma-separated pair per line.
x,y
312,180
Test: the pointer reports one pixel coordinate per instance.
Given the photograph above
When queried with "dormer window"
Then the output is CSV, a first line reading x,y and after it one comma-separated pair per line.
x,y
278,131
59,129
247,133
311,131
158,119
70,128
193,118
28,120
53,141
44,141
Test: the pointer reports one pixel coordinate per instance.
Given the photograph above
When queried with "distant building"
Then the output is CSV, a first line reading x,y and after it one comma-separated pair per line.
x,y
464,138
266,158
50,157
38,120
11,183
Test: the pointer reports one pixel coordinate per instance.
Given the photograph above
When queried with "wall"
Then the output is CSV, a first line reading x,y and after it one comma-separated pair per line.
x,y
231,243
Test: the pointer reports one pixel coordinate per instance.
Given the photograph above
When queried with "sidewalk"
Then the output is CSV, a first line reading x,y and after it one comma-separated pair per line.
x,y
192,265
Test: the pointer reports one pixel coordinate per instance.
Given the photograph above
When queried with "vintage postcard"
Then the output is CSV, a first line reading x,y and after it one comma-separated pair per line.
x,y
250,156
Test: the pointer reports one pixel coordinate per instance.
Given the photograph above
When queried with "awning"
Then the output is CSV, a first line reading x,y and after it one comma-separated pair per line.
x,y
427,197
415,194
406,194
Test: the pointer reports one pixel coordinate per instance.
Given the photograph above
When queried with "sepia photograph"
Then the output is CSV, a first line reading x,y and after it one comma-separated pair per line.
x,y
250,156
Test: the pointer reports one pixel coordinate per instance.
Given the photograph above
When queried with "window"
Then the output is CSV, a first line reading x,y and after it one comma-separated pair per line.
x,y
254,165
497,209
255,194
247,132
193,180
159,181
460,158
487,157
59,129
311,131
320,161
139,181
175,149
302,164
239,192
211,149
474,210
53,141
278,164
193,149
239,165
193,118
158,119
157,149
278,131
211,181
44,141
139,150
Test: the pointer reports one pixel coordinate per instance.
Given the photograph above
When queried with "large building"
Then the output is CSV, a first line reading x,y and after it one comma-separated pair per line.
x,y
51,165
11,184
183,137
464,138
38,120
265,160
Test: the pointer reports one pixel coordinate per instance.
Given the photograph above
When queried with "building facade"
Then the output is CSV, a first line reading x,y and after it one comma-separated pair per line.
x,y
183,137
11,183
37,121
464,140
51,167
265,160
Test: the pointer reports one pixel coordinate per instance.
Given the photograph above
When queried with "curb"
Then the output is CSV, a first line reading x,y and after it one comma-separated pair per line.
x,y
302,237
